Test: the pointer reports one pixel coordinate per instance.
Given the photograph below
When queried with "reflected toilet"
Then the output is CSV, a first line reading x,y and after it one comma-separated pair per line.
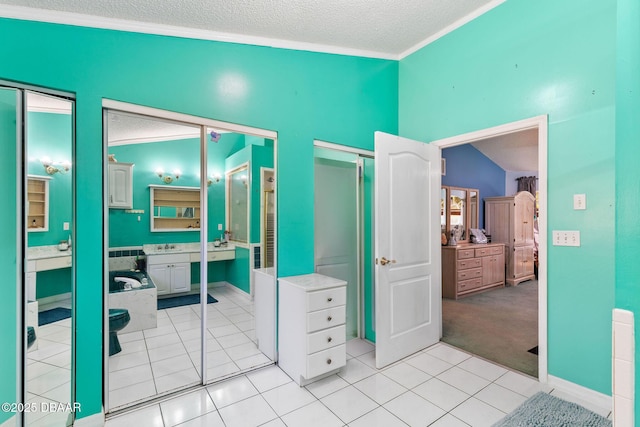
x,y
31,336
118,319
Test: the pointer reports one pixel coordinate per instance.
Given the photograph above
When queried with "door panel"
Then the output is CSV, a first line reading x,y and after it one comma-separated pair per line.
x,y
407,231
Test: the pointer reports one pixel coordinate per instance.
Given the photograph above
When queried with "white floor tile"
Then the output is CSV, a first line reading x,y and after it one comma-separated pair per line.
x,y
406,375
313,415
287,398
222,371
233,340
369,359
379,417
500,398
125,361
449,421
166,352
477,413
463,380
326,386
357,347
275,423
159,331
243,350
268,378
482,368
414,410
429,364
250,412
355,371
253,361
171,365
186,407
130,376
349,403
442,394
162,340
231,391
212,419
448,354
147,417
380,388
521,384
131,394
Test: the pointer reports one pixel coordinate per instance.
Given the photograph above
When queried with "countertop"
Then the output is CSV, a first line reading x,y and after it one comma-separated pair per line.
x,y
184,248
313,281
43,252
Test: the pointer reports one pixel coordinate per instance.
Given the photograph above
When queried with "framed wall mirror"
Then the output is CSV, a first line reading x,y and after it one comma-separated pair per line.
x,y
178,266
458,212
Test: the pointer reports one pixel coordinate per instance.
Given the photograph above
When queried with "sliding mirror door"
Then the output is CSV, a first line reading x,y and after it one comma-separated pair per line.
x,y
234,163
152,288
48,207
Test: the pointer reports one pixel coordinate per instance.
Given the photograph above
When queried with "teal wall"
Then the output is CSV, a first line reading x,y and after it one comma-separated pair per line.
x,y
237,272
50,135
9,239
627,171
523,59
320,96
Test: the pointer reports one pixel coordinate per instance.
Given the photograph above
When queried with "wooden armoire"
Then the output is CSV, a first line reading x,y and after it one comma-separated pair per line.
x,y
510,220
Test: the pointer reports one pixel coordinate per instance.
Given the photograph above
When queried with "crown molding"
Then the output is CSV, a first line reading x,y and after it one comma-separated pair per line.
x,y
82,20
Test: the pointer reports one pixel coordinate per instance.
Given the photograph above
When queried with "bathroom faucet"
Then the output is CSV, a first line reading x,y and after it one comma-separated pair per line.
x,y
166,246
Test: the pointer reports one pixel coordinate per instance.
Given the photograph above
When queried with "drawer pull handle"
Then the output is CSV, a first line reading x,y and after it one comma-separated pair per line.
x,y
329,339
329,319
329,299
328,361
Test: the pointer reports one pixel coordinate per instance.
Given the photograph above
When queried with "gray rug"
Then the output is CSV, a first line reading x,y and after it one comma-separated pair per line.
x,y
544,410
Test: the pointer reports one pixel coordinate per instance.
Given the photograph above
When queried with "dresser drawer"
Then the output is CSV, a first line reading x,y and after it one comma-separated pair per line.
x,y
327,298
464,264
468,285
471,273
327,360
465,253
491,250
326,318
325,339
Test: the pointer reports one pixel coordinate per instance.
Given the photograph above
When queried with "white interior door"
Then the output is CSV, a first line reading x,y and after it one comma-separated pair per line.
x,y
407,247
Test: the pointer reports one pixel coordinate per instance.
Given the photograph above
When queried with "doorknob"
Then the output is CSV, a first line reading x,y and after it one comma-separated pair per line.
x,y
384,261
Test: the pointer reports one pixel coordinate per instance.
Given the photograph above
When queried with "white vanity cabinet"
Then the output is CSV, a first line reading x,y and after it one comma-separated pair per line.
x,y
311,326
121,185
170,273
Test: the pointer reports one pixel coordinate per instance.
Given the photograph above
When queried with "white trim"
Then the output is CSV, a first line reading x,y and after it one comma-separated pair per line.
x,y
239,291
95,420
130,141
539,122
186,118
82,20
343,148
589,396
451,28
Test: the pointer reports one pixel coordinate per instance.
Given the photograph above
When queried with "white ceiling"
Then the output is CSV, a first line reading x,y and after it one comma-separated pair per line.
x,y
378,28
513,152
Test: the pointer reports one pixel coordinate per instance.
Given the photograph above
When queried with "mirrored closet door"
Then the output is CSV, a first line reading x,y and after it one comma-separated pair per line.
x,y
184,217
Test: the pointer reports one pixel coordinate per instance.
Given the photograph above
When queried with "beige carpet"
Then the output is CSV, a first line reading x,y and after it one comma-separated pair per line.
x,y
499,325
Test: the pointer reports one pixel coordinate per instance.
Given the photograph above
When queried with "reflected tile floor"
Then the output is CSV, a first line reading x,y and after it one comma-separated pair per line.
x,y
167,358
440,386
48,373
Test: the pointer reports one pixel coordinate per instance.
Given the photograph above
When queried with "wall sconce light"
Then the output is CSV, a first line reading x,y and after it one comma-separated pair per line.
x,y
53,168
167,178
215,178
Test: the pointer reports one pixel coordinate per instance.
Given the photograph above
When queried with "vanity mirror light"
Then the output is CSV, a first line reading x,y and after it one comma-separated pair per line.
x,y
458,212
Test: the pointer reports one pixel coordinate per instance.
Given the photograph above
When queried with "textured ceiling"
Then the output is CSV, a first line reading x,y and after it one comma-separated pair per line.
x,y
389,28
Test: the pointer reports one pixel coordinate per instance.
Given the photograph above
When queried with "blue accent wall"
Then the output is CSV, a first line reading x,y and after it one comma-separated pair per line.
x,y
468,167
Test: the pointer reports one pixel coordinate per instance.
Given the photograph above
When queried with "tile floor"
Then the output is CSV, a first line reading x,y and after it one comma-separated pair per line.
x,y
48,372
166,358
440,386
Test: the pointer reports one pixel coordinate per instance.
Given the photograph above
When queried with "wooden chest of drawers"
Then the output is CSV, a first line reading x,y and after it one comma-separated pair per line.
x,y
311,326
472,268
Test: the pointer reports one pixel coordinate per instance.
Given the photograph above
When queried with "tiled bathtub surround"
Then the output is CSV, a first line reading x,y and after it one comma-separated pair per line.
x,y
623,368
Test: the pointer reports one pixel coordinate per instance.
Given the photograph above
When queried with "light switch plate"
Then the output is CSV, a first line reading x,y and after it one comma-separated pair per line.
x,y
219,227
566,238
580,201
65,226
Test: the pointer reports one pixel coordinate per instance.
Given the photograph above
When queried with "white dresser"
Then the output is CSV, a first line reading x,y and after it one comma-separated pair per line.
x,y
311,326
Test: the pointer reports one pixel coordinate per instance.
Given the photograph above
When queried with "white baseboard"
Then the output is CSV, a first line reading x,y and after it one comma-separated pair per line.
x,y
95,420
53,301
239,291
585,394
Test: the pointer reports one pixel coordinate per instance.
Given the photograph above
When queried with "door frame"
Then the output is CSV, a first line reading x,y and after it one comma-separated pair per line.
x,y
541,124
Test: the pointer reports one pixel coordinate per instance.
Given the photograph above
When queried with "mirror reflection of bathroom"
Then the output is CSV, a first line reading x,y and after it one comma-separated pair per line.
x,y
344,233
155,222
49,279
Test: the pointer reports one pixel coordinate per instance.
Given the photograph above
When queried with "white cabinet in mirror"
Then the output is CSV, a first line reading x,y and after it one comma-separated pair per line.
x,y
175,208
